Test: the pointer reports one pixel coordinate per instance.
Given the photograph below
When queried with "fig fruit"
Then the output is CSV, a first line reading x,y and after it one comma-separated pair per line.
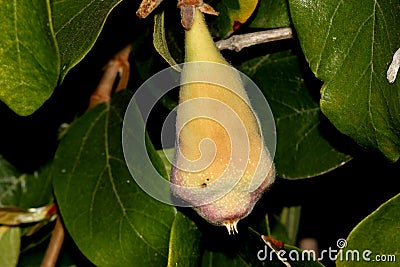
x,y
221,165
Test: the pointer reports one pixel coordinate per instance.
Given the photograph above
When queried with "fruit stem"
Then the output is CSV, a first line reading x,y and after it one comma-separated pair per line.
x,y
198,40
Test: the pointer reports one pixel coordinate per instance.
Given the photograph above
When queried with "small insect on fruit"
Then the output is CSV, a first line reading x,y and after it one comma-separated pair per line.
x,y
221,166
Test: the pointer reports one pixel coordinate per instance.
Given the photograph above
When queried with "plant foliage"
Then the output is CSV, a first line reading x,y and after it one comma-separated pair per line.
x,y
327,89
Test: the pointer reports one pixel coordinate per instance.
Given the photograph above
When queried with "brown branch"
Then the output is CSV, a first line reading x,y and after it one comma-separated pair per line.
x,y
238,42
56,241
118,65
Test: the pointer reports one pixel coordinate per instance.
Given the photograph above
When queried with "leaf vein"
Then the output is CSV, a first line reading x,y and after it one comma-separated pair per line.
x,y
111,177
327,35
298,113
313,126
73,17
84,140
17,41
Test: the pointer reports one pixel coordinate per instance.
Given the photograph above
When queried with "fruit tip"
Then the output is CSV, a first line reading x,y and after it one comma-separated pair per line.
x,y
231,226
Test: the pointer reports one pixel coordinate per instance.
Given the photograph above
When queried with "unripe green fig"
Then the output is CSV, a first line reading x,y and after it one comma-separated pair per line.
x,y
221,165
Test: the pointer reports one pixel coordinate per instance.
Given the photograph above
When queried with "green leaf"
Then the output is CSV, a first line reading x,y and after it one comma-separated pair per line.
x,y
271,14
10,241
24,190
290,218
184,242
216,259
377,234
285,226
113,222
29,62
7,171
165,155
278,229
70,256
349,45
302,149
77,25
233,13
159,41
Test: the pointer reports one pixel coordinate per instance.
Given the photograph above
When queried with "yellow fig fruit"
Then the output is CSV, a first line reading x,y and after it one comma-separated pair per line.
x,y
221,165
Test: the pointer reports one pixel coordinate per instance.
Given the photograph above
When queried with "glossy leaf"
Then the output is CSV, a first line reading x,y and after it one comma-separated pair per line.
x,y
271,14
77,24
113,222
233,13
349,45
10,242
302,149
184,242
29,62
376,235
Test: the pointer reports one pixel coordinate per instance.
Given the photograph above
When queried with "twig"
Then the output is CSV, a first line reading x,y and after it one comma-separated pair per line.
x,y
119,64
238,42
56,241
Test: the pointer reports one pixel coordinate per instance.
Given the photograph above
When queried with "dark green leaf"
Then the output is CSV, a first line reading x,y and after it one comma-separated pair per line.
x,y
376,238
77,24
284,227
184,242
271,14
113,222
70,256
24,190
349,45
279,229
29,62
7,172
165,155
10,241
302,149
216,259
290,218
